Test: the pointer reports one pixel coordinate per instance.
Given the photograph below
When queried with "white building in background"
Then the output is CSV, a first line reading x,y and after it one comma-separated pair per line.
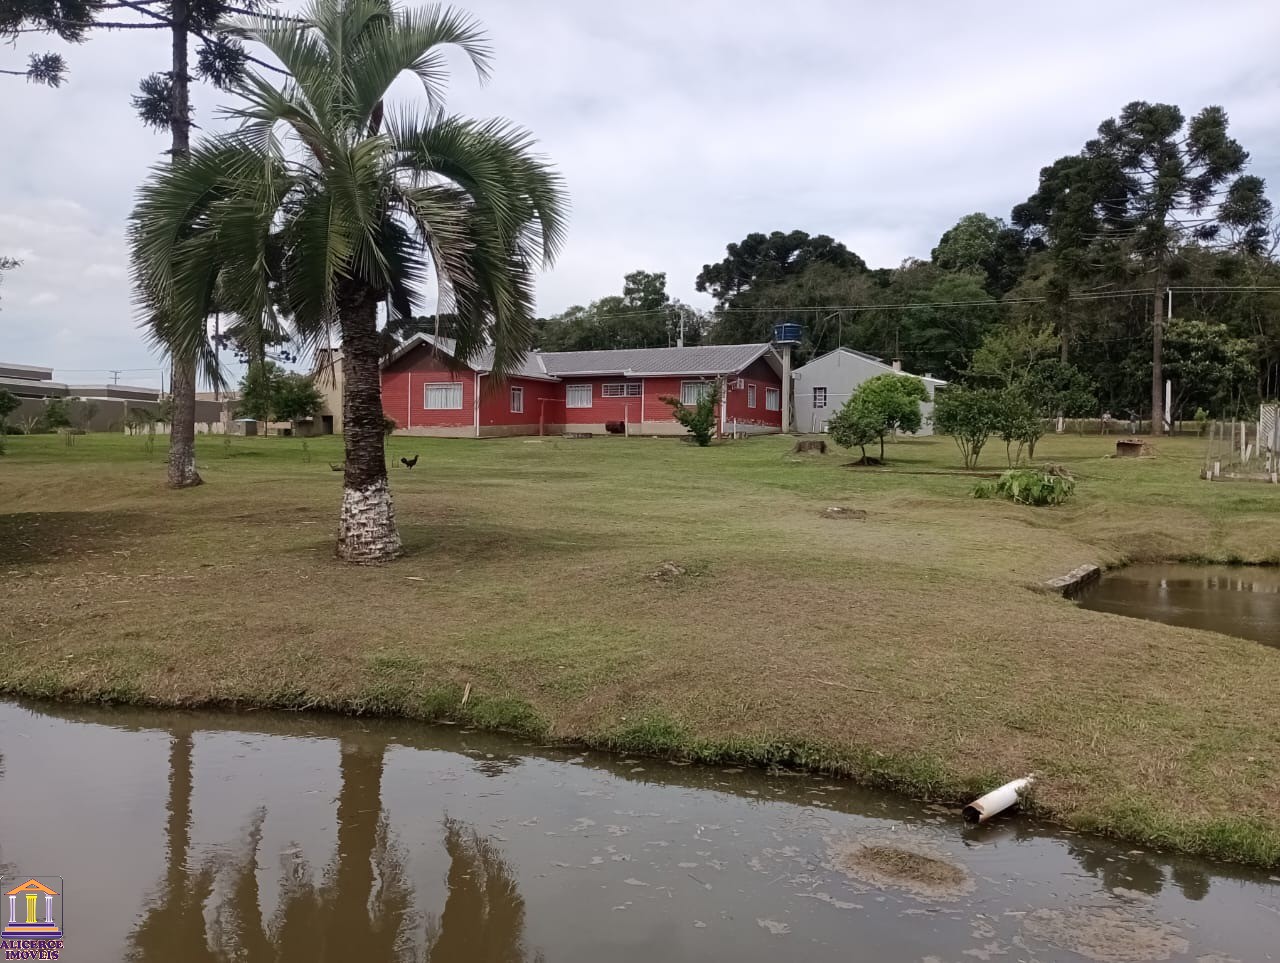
x,y
821,387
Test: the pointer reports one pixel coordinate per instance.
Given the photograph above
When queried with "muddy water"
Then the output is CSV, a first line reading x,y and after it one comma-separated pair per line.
x,y
262,837
1233,600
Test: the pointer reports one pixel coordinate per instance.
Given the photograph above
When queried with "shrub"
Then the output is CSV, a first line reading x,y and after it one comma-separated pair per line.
x,y
1019,424
388,426
700,420
1049,485
970,416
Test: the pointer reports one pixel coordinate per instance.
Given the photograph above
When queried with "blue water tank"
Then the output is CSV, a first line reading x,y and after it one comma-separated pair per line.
x,y
787,333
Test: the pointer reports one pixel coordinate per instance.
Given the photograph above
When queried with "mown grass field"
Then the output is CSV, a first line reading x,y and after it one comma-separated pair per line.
x,y
908,649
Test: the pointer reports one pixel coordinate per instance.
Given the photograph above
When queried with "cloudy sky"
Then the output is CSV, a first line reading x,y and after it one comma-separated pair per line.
x,y
679,126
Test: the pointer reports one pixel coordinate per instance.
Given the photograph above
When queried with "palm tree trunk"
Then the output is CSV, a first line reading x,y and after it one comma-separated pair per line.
x,y
182,378
367,527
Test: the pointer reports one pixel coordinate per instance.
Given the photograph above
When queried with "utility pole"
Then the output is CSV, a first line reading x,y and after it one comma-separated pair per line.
x,y
1158,308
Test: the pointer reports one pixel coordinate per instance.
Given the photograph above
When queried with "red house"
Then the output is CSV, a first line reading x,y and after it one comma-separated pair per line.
x,y
426,391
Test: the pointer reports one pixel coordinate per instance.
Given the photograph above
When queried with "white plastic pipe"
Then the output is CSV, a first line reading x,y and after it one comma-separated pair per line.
x,y
996,801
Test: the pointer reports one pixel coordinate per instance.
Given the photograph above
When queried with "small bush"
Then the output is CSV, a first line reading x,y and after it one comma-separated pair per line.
x,y
700,420
1049,485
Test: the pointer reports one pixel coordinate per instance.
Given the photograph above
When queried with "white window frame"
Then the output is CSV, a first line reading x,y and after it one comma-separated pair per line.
x,y
700,390
437,385
620,389
772,399
823,396
751,396
568,394
517,400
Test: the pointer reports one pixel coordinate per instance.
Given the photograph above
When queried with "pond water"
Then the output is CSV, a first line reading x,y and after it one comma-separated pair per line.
x,y
1233,600
268,837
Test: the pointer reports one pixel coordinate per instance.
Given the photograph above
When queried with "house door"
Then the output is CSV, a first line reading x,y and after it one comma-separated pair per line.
x,y
326,424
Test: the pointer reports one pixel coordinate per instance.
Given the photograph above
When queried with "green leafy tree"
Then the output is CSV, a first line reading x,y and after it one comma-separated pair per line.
x,y
258,391
760,259
1011,352
1019,424
297,397
759,264
1149,185
885,404
855,426
986,246
357,205
643,316
970,416
700,420
9,403
1210,368
56,414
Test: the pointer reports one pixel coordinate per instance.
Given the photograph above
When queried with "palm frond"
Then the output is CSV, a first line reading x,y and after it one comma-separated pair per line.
x,y
412,42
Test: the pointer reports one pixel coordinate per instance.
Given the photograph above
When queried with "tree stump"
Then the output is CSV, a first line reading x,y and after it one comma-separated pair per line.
x,y
810,446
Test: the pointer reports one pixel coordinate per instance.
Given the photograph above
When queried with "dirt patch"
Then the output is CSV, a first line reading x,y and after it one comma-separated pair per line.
x,y
903,865
1107,935
669,572
866,461
40,537
849,514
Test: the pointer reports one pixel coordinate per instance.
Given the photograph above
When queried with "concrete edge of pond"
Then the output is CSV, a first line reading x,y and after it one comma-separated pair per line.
x,y
1074,582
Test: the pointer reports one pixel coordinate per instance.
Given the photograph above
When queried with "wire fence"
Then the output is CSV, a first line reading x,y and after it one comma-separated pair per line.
x,y
1244,450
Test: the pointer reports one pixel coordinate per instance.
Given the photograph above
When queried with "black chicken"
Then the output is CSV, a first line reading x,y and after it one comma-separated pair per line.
x,y
409,462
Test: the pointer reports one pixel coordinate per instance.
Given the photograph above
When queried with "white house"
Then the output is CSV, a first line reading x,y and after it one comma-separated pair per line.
x,y
821,387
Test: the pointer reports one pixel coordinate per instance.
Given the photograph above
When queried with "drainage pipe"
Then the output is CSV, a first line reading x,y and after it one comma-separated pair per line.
x,y
996,801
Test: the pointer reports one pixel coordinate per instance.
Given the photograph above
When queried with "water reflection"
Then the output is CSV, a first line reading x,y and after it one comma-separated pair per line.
x,y
362,905
322,840
174,919
1234,601
483,918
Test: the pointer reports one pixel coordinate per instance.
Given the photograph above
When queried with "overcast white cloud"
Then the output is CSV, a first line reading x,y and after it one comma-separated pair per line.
x,y
679,126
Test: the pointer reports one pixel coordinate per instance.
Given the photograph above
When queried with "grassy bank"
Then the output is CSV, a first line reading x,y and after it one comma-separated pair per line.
x,y
907,649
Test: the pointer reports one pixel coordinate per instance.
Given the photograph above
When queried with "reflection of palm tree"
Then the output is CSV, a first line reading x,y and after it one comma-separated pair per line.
x,y
361,922
483,918
173,927
362,908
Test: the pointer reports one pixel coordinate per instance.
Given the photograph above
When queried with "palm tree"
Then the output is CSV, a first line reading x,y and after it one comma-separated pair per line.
x,y
327,203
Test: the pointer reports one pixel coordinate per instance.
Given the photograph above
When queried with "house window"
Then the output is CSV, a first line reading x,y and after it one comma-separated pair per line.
x,y
443,397
751,396
772,399
629,389
819,397
517,401
577,396
691,392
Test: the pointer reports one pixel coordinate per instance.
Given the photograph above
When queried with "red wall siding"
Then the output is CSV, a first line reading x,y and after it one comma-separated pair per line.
x,y
404,392
495,408
655,389
610,409
762,376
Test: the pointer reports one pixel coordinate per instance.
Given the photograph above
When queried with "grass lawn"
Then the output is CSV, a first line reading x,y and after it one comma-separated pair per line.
x,y
907,649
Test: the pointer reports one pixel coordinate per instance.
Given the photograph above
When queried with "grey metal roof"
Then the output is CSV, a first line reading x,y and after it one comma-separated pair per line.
x,y
710,359
868,357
